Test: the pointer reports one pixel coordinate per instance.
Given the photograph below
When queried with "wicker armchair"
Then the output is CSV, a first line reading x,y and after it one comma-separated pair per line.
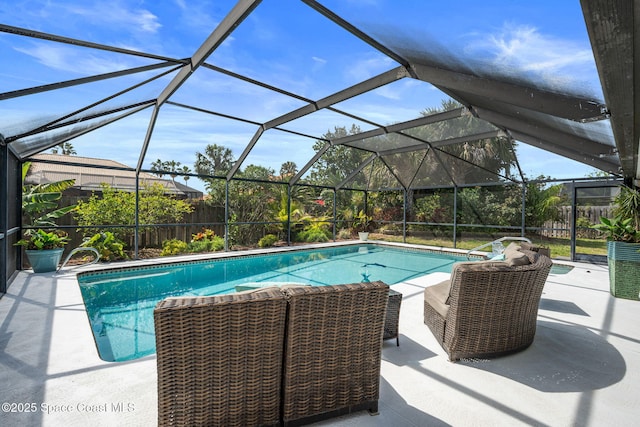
x,y
333,350
219,359
488,308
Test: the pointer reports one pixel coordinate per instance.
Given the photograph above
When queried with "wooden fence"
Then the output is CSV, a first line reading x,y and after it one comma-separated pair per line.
x,y
203,216
586,216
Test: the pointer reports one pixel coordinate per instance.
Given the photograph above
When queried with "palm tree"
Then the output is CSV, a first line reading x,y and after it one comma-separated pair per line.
x,y
185,170
66,149
288,170
172,166
159,167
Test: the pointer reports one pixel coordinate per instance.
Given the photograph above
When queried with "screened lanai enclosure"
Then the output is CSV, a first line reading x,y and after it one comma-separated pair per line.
x,y
254,123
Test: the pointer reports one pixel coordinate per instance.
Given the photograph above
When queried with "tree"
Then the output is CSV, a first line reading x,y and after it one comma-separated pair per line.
x,y
171,167
117,207
251,200
288,170
216,161
337,162
66,149
185,170
482,159
542,203
495,205
159,167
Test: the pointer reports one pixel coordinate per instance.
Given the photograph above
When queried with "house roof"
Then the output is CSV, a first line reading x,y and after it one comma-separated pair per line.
x,y
90,173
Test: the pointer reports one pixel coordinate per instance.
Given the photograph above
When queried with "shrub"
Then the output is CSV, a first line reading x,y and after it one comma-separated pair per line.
x,y
117,207
173,247
205,234
313,235
584,227
344,234
108,245
216,243
205,241
268,241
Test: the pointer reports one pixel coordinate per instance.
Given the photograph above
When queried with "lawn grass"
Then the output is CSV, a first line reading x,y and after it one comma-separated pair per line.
x,y
558,247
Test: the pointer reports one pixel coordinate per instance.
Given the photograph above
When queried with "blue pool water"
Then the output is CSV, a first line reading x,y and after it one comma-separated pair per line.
x,y
120,303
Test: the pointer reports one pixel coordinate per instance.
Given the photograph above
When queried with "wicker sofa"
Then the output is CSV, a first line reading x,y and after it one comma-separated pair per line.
x,y
488,308
274,356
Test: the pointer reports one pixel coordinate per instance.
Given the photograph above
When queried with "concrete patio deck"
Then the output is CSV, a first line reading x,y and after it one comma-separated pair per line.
x,y
583,368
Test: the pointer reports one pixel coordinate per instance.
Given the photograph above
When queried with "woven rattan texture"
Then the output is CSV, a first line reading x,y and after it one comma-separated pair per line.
x,y
333,350
220,359
393,316
491,311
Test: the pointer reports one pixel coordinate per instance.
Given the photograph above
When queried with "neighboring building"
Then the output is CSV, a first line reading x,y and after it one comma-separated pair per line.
x,y
94,172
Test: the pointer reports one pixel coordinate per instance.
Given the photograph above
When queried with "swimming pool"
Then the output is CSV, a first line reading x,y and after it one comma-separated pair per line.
x,y
120,303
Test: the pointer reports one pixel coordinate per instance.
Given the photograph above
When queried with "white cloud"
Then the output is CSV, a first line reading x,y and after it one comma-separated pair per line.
x,y
69,59
532,50
119,15
522,49
365,68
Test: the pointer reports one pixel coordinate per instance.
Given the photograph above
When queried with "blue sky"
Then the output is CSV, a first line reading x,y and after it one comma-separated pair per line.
x,y
286,44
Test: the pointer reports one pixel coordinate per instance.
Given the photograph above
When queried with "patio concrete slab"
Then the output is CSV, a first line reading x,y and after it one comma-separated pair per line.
x,y
583,368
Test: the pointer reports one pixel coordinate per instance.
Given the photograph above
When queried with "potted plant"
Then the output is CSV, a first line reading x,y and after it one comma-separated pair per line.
x,y
623,244
44,248
40,207
362,225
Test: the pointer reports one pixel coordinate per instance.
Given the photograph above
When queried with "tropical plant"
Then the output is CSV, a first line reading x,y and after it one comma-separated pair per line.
x,y
173,247
625,225
108,245
361,222
288,170
627,205
267,241
41,240
185,170
205,241
314,232
158,167
542,203
344,234
618,230
213,245
66,149
40,201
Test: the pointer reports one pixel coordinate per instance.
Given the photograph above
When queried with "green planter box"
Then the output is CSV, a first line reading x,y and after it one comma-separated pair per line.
x,y
624,269
43,261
